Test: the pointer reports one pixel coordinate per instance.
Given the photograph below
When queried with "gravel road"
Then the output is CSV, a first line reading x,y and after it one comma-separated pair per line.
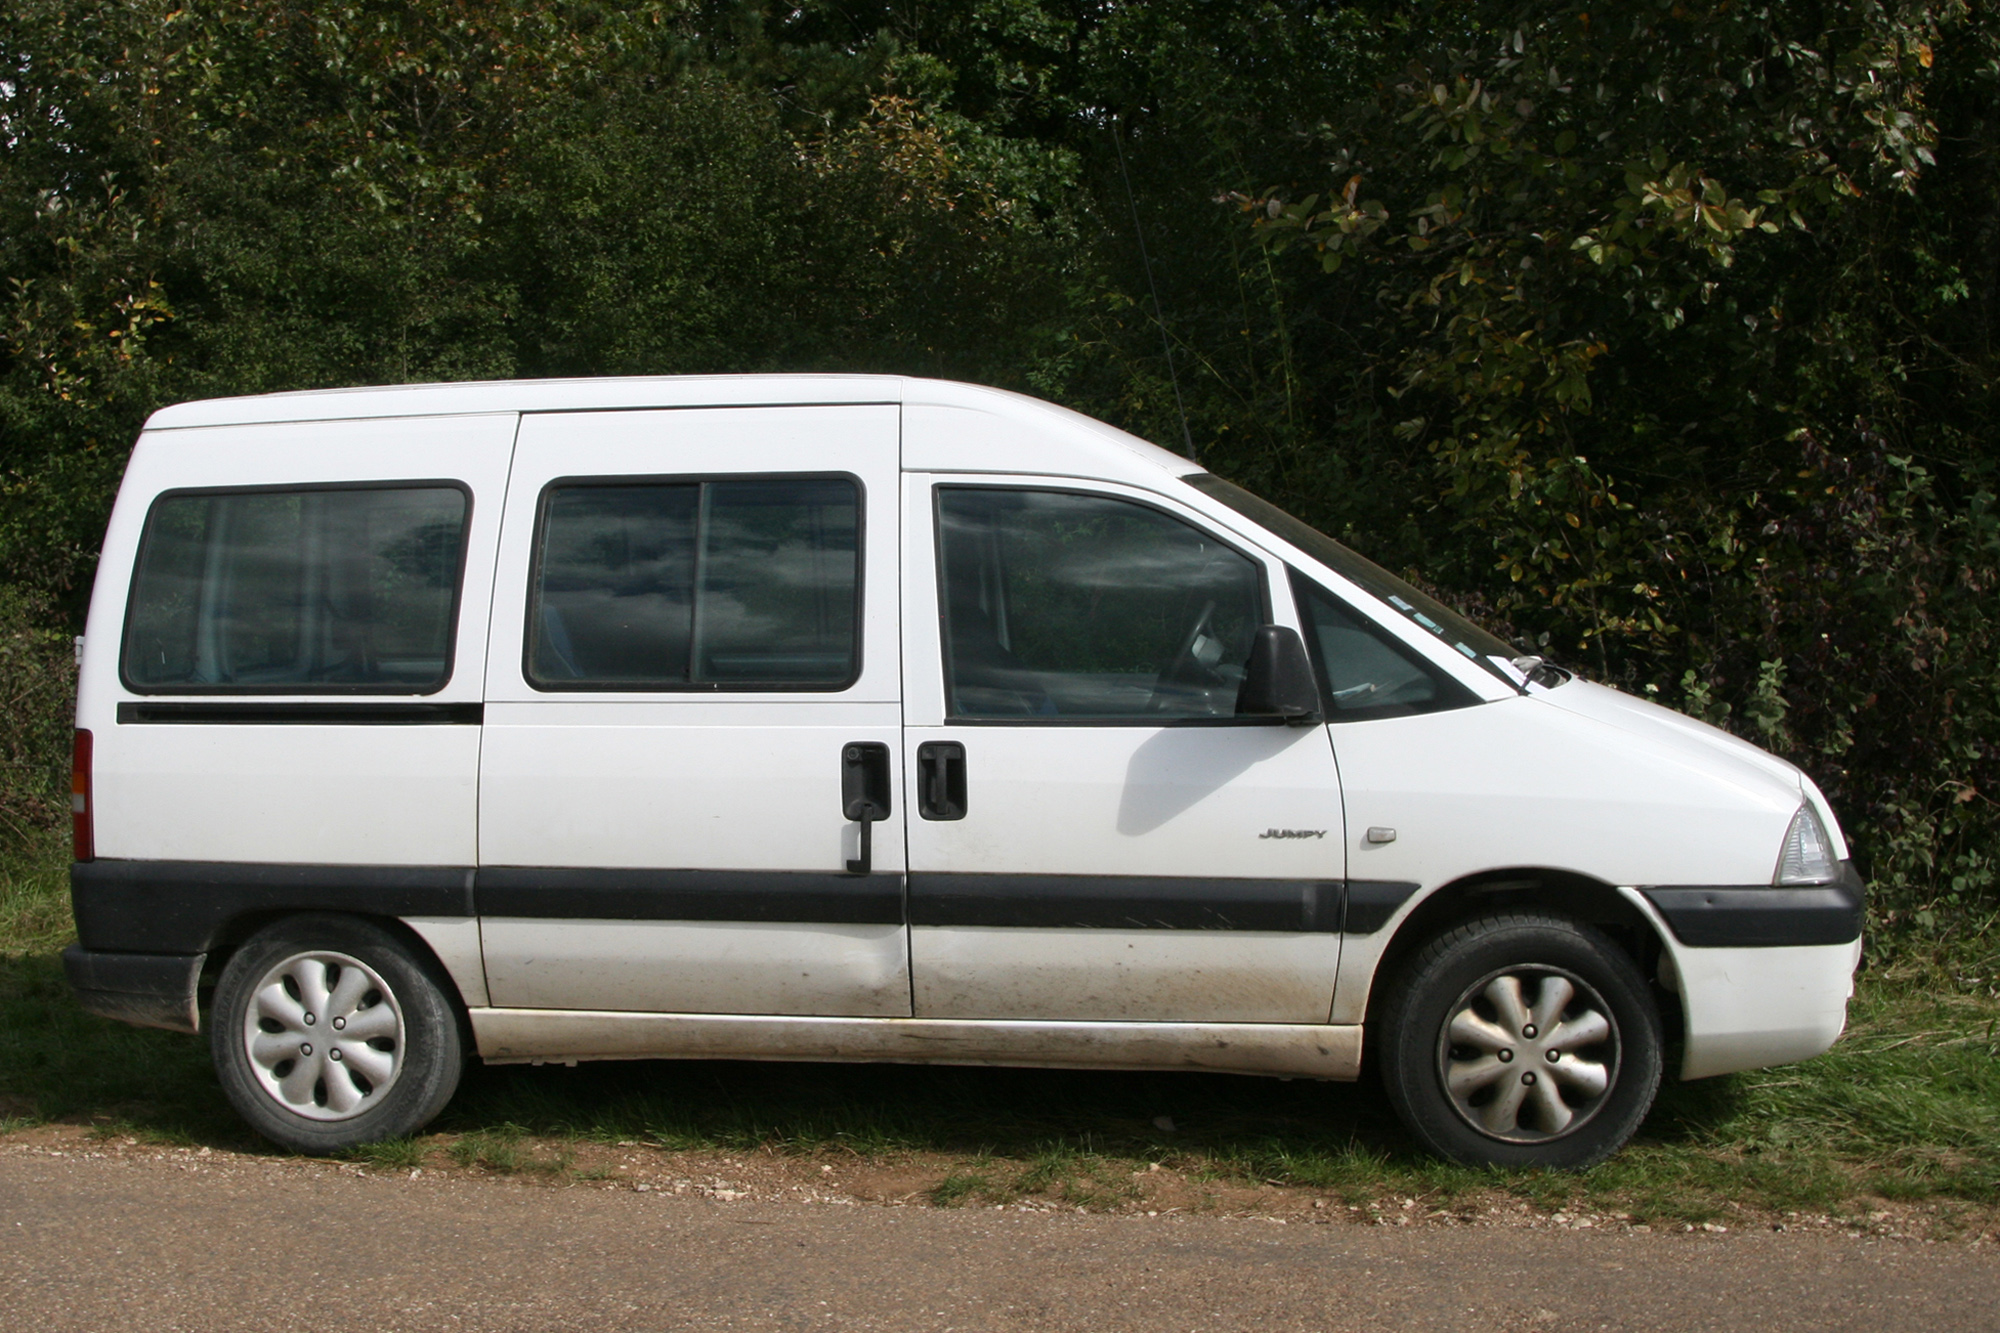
x,y
172,1243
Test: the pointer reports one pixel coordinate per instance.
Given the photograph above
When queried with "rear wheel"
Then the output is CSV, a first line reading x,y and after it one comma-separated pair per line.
x,y
327,1032
1521,1039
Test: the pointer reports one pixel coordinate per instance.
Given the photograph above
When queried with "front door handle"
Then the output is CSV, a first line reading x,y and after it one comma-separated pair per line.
x,y
941,780
864,793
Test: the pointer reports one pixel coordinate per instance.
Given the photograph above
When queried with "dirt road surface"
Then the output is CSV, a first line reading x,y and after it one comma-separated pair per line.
x,y
173,1244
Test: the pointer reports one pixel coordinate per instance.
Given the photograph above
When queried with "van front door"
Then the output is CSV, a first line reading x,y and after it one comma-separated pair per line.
x,y
1097,836
693,717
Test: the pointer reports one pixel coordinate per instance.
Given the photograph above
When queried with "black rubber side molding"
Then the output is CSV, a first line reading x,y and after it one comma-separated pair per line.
x,y
1125,902
251,712
1371,902
147,989
554,893
182,907
1761,916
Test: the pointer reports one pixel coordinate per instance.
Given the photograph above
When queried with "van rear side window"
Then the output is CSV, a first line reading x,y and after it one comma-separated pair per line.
x,y
323,590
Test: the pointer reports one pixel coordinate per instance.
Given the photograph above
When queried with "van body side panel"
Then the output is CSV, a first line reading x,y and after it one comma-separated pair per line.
x,y
184,784
693,783
1520,783
744,967
1067,819
282,795
679,840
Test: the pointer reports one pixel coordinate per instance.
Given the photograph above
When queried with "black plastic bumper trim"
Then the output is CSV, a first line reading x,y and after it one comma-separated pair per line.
x,y
827,898
251,712
1371,902
183,906
147,989
1125,902
1761,916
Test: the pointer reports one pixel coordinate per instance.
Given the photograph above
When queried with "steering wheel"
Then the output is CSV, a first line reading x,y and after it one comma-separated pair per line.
x,y
1179,665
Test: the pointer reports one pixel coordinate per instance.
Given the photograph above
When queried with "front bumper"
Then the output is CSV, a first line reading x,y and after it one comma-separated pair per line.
x,y
151,990
1764,974
1751,1008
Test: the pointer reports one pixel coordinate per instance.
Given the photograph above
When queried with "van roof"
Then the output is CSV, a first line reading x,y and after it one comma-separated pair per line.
x,y
1082,437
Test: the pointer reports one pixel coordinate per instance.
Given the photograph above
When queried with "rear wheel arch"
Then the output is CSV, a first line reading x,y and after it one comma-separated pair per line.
x,y
239,929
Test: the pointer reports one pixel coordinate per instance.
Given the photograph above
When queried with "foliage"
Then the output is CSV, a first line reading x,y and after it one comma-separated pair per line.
x,y
1625,276
37,685
1663,336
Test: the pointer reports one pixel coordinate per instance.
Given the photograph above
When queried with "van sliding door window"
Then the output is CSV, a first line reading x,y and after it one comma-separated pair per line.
x,y
310,591
705,585
1066,606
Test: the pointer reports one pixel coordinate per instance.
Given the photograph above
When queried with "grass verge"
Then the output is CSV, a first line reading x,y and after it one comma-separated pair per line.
x,y
1906,1108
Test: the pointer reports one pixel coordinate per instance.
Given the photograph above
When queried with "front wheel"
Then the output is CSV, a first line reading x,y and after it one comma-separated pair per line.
x,y
327,1032
1521,1039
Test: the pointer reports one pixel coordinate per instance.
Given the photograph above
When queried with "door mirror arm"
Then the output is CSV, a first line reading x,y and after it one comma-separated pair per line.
x,y
1278,681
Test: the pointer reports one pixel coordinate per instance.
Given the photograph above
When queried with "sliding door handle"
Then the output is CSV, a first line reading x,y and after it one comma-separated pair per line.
x,y
864,794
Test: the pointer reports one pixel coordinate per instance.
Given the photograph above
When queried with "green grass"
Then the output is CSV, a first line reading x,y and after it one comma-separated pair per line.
x,y
1906,1107
34,894
391,1154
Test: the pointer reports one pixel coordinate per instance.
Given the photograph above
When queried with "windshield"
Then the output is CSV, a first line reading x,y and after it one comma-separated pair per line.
x,y
1481,646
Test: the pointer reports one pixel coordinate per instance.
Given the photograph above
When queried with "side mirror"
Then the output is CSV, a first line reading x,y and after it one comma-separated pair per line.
x,y
1278,682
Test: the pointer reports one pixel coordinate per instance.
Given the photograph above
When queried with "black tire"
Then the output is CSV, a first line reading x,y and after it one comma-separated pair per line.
x,y
1477,1080
379,1063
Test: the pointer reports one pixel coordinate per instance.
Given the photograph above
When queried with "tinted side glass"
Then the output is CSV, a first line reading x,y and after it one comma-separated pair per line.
x,y
614,597
1085,606
779,561
696,585
1469,640
305,591
1364,672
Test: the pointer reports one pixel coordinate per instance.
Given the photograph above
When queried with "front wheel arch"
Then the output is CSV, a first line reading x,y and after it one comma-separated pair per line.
x,y
1563,893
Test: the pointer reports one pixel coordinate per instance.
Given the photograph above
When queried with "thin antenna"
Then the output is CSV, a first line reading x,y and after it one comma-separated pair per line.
x,y
1166,346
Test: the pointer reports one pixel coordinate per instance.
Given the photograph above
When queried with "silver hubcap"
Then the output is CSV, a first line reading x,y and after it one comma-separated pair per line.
x,y
1529,1054
324,1035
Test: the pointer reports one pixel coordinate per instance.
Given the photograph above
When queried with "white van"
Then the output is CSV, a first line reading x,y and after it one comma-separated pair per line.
x,y
877,719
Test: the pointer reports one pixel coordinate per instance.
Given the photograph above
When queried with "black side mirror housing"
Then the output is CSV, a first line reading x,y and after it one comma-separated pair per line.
x,y
1278,681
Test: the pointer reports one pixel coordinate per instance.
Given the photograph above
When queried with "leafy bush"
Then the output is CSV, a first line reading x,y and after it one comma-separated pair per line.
x,y
37,708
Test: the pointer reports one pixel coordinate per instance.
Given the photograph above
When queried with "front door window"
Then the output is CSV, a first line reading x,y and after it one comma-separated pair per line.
x,y
1076,607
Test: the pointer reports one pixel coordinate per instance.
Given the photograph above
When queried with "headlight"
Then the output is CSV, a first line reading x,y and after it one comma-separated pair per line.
x,y
1807,857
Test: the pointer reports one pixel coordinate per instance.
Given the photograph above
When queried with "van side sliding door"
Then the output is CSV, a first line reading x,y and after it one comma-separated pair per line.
x,y
690,787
